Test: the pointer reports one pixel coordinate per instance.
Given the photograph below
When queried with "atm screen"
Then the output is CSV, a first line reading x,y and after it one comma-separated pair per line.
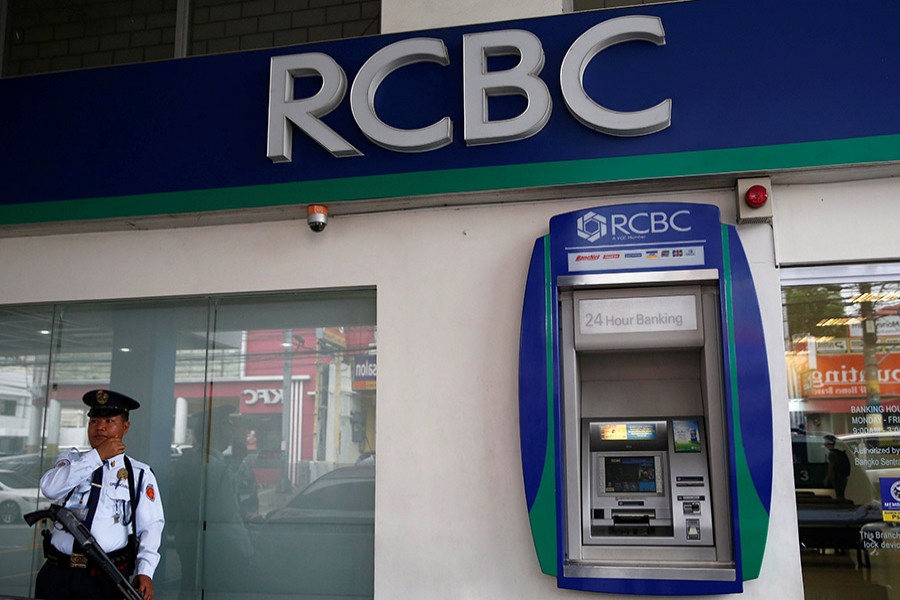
x,y
627,431
630,474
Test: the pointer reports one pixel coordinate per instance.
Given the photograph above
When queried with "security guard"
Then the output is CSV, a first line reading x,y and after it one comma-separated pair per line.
x,y
115,496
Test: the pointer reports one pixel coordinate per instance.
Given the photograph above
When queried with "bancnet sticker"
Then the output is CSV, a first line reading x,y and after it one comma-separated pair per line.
x,y
636,258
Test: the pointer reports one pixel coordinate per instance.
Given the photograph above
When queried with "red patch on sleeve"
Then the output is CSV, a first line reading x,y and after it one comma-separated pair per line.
x,y
151,493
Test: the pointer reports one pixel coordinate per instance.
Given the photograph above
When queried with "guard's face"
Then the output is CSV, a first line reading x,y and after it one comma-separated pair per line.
x,y
102,428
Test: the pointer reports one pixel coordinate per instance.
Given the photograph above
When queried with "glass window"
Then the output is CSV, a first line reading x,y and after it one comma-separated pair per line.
x,y
25,335
289,411
257,416
842,341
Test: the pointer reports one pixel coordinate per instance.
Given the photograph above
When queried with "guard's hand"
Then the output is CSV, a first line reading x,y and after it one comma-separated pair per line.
x,y
144,586
110,447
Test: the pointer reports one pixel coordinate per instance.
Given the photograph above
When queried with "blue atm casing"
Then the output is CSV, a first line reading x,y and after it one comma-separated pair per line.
x,y
636,239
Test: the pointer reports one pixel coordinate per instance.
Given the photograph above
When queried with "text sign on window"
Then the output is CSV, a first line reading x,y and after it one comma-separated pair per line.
x,y
638,315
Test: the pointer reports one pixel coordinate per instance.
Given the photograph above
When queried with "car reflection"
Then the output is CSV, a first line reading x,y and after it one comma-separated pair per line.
x,y
322,541
28,465
18,495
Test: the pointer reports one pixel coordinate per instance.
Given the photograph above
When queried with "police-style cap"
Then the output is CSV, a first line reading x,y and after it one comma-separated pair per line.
x,y
107,403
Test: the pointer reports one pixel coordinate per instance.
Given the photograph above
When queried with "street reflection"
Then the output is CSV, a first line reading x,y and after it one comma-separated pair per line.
x,y
844,385
260,429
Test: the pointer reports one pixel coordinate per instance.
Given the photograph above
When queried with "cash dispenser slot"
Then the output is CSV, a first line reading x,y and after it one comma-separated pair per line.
x,y
632,523
632,516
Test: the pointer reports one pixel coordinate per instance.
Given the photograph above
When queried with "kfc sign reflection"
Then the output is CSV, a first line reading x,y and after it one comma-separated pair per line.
x,y
262,397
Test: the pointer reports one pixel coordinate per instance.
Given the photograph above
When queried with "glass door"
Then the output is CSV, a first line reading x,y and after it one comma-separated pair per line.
x,y
842,350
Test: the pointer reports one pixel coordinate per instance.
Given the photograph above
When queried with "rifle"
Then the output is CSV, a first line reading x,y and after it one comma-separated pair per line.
x,y
82,535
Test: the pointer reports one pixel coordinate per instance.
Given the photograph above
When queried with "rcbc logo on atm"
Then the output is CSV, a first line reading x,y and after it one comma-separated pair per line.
x,y
591,226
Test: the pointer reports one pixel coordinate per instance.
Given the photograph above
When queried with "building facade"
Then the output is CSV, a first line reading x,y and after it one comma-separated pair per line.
x,y
153,238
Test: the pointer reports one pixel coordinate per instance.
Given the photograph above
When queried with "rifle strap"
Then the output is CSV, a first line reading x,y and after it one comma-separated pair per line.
x,y
94,498
135,497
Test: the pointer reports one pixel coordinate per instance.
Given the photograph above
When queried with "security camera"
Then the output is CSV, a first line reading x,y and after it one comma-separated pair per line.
x,y
317,217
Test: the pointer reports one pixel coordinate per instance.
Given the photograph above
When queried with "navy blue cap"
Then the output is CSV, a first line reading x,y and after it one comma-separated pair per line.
x,y
107,403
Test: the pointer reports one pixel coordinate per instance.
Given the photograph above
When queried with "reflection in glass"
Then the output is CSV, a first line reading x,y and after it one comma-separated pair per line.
x,y
257,416
292,426
25,334
843,360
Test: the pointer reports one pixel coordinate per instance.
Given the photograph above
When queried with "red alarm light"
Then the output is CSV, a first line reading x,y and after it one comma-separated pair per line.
x,y
756,196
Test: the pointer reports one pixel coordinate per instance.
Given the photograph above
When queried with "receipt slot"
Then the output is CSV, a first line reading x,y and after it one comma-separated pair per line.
x,y
645,409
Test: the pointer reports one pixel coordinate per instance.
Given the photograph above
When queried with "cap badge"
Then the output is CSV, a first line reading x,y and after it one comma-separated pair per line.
x,y
102,397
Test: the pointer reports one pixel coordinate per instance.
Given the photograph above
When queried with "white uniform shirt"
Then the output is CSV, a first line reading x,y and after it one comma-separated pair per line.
x,y
112,519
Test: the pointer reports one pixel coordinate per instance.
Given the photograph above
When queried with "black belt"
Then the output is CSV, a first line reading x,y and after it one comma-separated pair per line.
x,y
77,560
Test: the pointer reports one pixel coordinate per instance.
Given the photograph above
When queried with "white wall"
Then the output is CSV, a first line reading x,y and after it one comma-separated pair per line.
x,y
837,222
431,14
451,518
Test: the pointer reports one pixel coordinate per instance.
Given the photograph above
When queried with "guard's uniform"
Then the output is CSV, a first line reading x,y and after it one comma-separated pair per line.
x,y
67,573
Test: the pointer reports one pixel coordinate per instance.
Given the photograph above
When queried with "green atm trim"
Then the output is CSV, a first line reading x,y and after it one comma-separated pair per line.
x,y
753,520
543,511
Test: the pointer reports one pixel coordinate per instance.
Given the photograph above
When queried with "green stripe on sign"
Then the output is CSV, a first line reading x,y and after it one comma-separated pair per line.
x,y
855,151
753,518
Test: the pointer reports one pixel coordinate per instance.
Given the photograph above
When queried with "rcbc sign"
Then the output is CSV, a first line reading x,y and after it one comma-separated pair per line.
x,y
479,84
591,226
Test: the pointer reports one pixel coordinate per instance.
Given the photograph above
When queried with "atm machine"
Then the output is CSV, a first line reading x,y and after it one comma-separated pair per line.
x,y
643,388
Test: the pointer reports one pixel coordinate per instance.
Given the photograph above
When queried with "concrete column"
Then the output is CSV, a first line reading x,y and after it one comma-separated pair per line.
x,y
35,416
52,429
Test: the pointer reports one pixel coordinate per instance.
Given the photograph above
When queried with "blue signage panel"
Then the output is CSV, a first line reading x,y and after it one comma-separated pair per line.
x,y
365,372
639,237
748,85
890,498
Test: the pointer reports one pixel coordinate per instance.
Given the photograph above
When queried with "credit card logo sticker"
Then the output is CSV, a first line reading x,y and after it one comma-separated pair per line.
x,y
639,258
